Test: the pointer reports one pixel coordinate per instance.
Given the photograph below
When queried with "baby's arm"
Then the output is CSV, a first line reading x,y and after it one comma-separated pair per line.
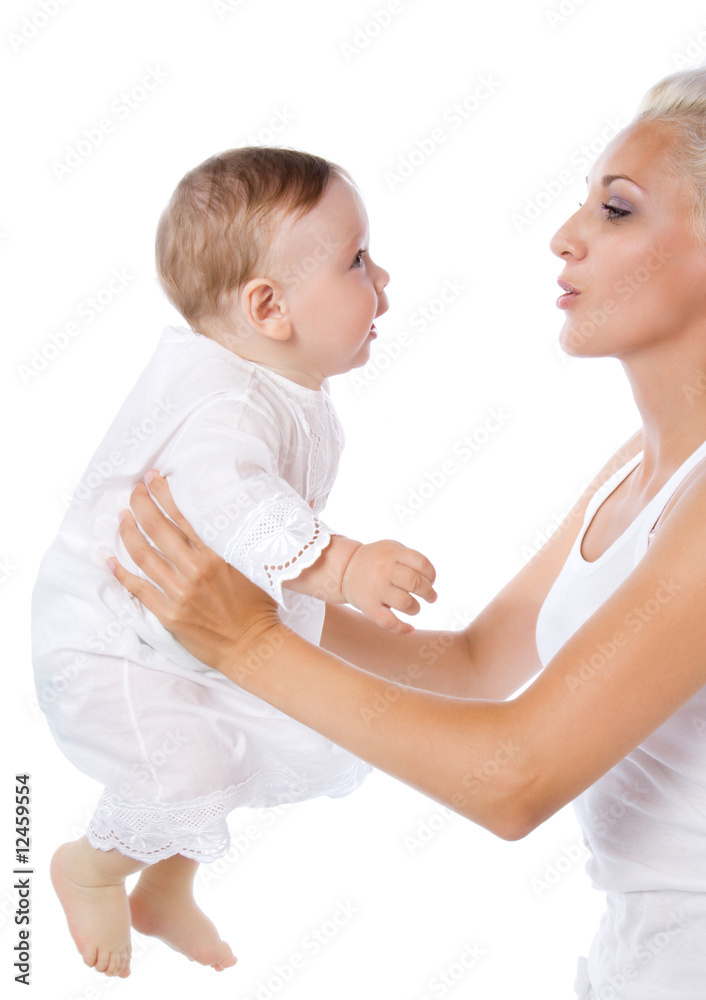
x,y
373,578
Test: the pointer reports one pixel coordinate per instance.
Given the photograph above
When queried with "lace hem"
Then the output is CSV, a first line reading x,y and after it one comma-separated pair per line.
x,y
281,539
150,832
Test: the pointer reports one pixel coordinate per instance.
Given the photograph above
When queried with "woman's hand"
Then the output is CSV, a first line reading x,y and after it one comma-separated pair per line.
x,y
222,618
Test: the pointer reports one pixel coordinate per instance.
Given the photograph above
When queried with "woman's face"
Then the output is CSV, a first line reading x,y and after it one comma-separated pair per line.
x,y
635,272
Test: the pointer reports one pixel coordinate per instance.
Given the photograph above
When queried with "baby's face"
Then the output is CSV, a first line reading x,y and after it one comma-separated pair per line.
x,y
333,288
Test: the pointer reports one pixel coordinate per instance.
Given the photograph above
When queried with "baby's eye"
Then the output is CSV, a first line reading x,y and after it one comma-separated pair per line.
x,y
358,259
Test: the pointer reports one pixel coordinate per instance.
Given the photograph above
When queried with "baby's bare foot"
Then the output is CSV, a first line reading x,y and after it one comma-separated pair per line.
x,y
174,918
96,909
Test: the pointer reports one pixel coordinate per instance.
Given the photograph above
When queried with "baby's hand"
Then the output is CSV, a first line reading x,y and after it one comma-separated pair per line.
x,y
384,575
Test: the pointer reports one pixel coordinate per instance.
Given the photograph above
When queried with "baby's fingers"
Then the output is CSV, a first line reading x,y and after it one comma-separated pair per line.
x,y
418,562
414,581
384,617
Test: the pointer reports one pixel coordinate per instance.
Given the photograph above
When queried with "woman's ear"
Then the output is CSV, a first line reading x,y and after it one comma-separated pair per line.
x,y
264,307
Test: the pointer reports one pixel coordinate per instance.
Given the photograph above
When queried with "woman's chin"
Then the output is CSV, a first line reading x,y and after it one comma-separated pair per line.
x,y
577,344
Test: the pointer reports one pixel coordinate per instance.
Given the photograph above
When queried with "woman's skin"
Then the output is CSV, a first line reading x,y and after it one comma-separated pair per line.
x,y
444,727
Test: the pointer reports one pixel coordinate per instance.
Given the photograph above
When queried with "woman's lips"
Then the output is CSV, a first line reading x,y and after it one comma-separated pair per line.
x,y
569,296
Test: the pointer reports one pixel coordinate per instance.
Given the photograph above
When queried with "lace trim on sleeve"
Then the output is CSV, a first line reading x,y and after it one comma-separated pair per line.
x,y
279,540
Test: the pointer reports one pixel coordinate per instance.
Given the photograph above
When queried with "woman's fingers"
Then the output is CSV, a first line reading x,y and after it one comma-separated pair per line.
x,y
159,488
145,592
169,539
144,555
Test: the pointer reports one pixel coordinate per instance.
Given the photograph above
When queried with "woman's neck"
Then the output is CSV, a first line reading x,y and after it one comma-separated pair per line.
x,y
671,399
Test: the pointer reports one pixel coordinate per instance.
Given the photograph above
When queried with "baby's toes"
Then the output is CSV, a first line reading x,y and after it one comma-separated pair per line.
x,y
112,963
225,958
90,956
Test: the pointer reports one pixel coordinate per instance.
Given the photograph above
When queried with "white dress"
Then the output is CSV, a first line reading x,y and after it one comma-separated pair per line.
x,y
251,458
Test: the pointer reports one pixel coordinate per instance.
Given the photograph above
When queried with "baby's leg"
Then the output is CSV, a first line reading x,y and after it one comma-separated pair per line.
x,y
90,885
162,904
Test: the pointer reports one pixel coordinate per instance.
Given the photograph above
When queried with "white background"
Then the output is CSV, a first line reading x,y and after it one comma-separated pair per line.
x,y
363,94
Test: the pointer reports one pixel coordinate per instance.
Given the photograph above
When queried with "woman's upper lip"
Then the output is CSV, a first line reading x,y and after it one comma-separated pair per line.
x,y
567,287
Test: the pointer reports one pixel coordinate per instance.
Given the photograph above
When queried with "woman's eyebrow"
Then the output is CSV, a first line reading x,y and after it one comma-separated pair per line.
x,y
606,180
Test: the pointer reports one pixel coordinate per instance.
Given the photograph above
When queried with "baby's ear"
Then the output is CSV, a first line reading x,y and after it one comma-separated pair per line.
x,y
263,306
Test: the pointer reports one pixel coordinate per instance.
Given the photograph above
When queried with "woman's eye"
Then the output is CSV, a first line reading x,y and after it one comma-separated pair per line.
x,y
613,212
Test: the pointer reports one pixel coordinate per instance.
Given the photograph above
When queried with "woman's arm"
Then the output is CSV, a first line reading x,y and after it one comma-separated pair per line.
x,y
507,766
496,654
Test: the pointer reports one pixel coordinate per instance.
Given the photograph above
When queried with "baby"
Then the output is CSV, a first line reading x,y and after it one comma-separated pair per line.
x,y
265,254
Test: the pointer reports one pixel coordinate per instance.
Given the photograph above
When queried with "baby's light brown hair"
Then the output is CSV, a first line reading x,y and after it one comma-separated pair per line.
x,y
217,228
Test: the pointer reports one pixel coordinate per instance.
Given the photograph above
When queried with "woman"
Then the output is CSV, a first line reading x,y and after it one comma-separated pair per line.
x,y
613,607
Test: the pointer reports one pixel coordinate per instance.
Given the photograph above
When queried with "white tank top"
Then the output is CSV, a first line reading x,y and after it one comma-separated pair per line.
x,y
644,822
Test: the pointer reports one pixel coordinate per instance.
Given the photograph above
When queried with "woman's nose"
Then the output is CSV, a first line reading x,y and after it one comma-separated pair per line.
x,y
567,239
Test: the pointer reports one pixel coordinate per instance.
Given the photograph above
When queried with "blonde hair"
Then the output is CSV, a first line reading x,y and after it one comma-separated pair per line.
x,y
679,101
219,222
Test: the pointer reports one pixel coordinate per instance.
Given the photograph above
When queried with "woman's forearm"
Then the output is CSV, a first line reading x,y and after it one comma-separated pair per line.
x,y
430,660
462,753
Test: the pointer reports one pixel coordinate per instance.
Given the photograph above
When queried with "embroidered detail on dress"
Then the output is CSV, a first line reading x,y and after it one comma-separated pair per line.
x,y
270,570
281,538
149,831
